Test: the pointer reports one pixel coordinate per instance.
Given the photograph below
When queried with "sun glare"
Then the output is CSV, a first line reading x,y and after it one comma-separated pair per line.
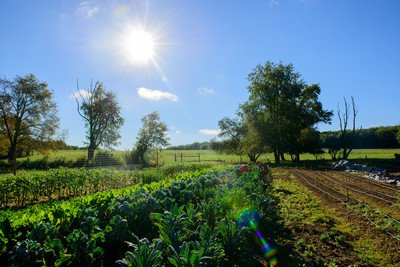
x,y
138,45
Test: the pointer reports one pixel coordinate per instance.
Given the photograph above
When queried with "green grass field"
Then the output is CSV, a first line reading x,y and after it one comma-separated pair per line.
x,y
172,156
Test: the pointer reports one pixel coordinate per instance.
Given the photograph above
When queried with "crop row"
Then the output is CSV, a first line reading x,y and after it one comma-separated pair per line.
x,y
29,187
190,222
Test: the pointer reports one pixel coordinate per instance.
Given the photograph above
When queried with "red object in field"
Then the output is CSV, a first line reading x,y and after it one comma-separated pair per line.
x,y
244,168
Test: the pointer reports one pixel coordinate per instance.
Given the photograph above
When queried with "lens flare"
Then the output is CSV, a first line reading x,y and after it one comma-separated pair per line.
x,y
138,45
249,217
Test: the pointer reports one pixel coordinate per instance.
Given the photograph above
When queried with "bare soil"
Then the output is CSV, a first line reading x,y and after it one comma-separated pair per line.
x,y
335,194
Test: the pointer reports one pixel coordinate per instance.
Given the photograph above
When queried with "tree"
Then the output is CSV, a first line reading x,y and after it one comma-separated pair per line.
x,y
347,137
386,136
4,146
309,141
152,135
283,105
398,136
27,111
102,115
233,131
240,138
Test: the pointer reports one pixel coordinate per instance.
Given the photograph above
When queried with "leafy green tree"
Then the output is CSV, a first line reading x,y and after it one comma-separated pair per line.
x,y
152,135
331,142
241,137
233,131
283,105
309,141
387,137
102,115
27,112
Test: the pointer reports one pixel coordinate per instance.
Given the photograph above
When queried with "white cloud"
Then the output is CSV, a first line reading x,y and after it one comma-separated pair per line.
x,y
210,132
205,91
86,10
81,93
274,2
155,95
175,130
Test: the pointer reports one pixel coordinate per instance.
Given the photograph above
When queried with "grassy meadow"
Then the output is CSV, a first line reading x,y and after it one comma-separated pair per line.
x,y
172,156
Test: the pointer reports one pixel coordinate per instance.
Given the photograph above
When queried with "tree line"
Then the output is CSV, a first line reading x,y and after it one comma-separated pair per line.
x,y
280,116
375,137
193,146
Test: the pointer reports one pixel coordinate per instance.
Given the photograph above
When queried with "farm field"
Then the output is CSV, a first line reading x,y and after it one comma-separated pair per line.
x,y
31,187
339,218
189,219
194,214
209,133
168,156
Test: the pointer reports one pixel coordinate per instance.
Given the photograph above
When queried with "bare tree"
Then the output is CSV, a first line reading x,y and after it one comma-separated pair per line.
x,y
102,116
347,136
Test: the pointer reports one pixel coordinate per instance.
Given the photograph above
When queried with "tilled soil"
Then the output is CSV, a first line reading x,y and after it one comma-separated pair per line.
x,y
335,194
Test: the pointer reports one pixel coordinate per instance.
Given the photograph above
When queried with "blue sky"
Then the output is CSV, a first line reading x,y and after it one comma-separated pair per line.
x,y
204,51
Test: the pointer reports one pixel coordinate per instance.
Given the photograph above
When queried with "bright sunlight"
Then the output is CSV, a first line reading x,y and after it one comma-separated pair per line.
x,y
138,46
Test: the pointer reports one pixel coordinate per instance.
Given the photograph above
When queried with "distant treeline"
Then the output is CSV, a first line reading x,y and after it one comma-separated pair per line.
x,y
194,146
376,137
28,147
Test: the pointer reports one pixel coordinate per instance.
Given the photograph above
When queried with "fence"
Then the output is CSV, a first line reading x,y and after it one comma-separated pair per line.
x,y
182,157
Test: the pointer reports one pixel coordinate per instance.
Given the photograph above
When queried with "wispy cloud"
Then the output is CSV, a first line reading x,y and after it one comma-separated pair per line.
x,y
205,91
175,130
87,10
155,95
210,132
274,2
81,93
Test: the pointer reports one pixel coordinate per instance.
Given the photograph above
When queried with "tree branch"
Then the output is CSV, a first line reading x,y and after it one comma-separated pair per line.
x,y
77,102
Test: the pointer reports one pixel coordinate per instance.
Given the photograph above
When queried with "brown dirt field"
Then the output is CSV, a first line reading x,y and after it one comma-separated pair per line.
x,y
332,198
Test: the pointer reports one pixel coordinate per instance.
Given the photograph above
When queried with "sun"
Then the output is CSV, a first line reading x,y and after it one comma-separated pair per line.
x,y
138,46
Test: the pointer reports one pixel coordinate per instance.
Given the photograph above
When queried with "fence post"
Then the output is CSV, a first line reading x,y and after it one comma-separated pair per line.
x,y
181,157
199,157
175,157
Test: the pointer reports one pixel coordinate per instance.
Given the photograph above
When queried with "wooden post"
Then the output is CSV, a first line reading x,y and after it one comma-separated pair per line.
x,y
181,157
175,157
199,157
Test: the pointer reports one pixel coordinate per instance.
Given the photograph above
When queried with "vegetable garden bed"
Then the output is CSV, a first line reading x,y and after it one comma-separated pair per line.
x,y
190,219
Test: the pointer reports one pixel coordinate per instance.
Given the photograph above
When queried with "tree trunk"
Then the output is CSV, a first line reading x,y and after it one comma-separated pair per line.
x,y
12,158
252,157
276,156
348,152
297,157
345,154
91,149
282,156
